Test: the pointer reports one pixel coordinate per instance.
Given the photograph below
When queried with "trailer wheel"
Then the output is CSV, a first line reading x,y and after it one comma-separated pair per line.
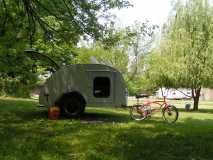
x,y
72,105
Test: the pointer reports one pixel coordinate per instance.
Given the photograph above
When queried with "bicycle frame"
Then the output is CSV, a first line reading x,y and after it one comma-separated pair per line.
x,y
141,111
162,103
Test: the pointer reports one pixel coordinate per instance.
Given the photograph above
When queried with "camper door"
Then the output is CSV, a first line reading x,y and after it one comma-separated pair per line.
x,y
101,87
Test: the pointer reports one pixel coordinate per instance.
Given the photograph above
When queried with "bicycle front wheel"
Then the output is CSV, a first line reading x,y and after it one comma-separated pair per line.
x,y
137,113
170,114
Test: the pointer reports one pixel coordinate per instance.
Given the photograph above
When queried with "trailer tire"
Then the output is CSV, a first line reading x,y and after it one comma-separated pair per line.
x,y
72,105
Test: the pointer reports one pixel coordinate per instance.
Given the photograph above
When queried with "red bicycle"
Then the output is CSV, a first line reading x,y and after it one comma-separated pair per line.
x,y
141,111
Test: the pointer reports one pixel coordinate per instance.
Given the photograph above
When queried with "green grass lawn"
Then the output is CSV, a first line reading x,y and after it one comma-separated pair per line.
x,y
27,134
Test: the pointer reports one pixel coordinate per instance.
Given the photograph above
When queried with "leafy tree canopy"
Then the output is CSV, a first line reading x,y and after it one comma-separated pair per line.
x,y
64,18
51,26
124,49
185,54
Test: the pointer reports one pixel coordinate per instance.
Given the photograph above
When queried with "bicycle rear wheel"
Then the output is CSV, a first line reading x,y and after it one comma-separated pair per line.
x,y
170,114
137,112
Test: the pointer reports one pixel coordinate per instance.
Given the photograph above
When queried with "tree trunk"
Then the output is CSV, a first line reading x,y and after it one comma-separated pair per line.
x,y
196,102
196,98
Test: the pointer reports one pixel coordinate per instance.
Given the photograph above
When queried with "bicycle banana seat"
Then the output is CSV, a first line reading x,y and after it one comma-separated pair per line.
x,y
141,96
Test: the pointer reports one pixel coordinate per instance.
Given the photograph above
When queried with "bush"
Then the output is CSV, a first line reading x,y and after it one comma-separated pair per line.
x,y
15,88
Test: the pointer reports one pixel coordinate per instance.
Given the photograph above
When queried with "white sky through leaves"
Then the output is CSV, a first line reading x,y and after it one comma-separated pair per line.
x,y
155,11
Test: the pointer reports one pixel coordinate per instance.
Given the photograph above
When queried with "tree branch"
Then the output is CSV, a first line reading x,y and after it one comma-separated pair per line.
x,y
5,17
184,93
193,93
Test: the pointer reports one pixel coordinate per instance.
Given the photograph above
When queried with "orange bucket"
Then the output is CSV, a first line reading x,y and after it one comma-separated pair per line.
x,y
54,113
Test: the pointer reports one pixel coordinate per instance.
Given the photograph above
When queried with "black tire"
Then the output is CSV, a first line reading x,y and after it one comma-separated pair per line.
x,y
72,106
170,114
137,112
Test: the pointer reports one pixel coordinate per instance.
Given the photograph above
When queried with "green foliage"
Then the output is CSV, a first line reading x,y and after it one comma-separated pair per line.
x,y
19,86
185,54
191,40
137,40
51,26
11,87
162,70
55,28
57,18
124,49
113,57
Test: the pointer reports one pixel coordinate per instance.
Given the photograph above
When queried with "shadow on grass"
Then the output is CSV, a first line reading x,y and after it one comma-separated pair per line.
x,y
198,122
165,145
20,111
36,140
103,117
26,134
210,111
23,116
37,114
149,140
94,116
41,114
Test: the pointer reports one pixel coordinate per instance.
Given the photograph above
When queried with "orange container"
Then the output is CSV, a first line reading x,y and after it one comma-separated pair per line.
x,y
54,113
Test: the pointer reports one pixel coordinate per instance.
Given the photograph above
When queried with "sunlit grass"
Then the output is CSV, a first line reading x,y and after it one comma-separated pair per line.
x,y
102,133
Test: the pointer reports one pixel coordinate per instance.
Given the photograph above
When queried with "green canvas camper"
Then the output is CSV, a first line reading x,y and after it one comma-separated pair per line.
x,y
74,87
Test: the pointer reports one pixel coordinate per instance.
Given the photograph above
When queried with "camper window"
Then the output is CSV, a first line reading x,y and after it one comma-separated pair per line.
x,y
101,87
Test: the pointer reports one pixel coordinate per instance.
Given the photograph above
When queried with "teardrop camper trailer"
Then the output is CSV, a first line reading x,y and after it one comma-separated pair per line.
x,y
74,87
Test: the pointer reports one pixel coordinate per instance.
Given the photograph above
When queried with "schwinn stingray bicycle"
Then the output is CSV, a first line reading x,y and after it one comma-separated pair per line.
x,y
141,111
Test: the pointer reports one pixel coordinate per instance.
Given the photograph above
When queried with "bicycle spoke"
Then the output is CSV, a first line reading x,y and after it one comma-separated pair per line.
x,y
170,114
137,113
